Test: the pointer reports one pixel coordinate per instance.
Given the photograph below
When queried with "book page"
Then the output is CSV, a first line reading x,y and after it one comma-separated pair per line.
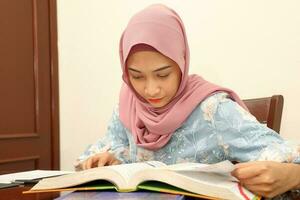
x,y
217,180
212,178
119,175
223,167
128,170
209,184
81,177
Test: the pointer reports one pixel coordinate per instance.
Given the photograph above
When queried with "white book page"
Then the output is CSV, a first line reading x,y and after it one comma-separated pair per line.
x,y
128,170
81,177
30,175
218,180
223,167
120,175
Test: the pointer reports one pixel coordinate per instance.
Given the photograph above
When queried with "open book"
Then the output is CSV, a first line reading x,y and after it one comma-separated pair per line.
x,y
191,179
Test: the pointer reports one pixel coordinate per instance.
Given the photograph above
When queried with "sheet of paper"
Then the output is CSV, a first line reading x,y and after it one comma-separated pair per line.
x,y
30,175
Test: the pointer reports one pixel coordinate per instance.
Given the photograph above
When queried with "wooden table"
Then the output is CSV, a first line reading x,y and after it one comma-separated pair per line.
x,y
15,193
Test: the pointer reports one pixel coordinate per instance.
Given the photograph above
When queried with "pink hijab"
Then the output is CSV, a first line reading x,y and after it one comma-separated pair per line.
x,y
161,28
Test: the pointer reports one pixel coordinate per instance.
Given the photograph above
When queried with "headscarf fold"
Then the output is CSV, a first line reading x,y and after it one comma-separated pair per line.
x,y
161,28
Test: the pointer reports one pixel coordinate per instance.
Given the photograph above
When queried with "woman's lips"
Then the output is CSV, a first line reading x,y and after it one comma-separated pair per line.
x,y
155,100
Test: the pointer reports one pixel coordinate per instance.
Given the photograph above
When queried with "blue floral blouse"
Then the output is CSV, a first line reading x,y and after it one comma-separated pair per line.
x,y
218,129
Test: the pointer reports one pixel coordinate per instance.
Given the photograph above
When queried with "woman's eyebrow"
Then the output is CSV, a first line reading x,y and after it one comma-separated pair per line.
x,y
135,70
162,68
159,69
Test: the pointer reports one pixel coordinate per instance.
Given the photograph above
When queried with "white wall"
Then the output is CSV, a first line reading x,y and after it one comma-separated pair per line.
x,y
250,46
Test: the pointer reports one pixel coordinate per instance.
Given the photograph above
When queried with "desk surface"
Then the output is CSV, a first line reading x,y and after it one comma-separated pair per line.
x,y
15,193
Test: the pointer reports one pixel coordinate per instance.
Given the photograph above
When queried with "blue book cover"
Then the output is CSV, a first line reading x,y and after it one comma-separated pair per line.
x,y
97,195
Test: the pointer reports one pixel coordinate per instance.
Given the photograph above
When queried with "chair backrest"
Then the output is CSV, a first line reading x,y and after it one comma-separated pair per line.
x,y
267,110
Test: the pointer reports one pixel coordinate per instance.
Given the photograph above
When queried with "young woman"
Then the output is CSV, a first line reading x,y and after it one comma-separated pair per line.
x,y
168,115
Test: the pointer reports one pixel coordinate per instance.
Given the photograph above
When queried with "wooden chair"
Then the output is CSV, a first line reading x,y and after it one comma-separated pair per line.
x,y
267,110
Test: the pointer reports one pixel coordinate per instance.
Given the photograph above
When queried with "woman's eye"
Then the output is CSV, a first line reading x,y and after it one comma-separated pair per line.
x,y
136,77
162,75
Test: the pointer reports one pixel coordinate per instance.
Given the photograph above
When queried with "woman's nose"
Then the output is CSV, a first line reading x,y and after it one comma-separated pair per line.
x,y
152,89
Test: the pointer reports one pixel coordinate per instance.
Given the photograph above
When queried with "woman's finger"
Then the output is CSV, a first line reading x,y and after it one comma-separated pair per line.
x,y
103,159
115,162
250,171
84,164
89,162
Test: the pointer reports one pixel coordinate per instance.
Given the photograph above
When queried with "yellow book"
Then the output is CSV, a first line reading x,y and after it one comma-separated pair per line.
x,y
191,179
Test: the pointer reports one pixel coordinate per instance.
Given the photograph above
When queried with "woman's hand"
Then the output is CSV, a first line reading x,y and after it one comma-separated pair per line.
x,y
100,159
268,178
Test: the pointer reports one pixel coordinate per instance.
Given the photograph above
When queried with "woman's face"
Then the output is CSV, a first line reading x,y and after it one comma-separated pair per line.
x,y
154,76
